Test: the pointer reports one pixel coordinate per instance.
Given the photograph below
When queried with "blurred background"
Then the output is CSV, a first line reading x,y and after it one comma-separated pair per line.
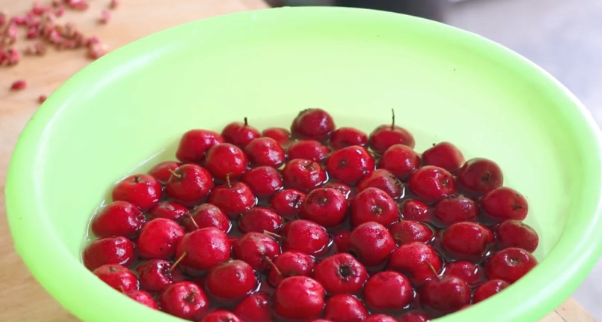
x,y
563,37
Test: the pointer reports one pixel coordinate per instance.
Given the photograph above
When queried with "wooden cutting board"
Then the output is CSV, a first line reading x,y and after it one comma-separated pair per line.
x,y
21,298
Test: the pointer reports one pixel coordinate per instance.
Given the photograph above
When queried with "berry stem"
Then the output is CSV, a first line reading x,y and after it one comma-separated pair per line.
x,y
392,119
271,262
434,271
269,233
192,219
246,121
121,289
173,173
228,183
177,262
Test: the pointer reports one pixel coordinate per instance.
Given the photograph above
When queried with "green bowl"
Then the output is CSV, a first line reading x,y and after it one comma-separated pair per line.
x,y
131,107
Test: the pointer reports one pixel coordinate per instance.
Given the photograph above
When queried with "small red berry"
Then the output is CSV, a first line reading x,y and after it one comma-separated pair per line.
x,y
221,316
18,85
415,210
346,190
290,264
408,231
162,171
109,250
308,150
514,233
444,155
256,249
206,215
446,295
345,308
189,184
226,159
456,208
505,203
400,160
299,298
380,318
287,202
203,248
413,317
347,136
157,274
489,289
304,175
304,236
254,308
383,180
259,219
466,239
159,238
240,134
184,300
342,240
465,270
233,198
231,280
324,206
117,277
141,190
388,291
416,260
119,218
374,205
480,176
432,184
169,210
264,181
510,264
281,135
265,151
313,123
349,164
194,144
387,135
143,298
372,243
341,273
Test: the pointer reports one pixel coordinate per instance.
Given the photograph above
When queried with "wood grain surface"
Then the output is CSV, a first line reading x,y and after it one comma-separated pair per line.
x,y
21,297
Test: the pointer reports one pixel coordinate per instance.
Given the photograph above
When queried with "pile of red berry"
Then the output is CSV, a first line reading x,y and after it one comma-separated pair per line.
x,y
322,224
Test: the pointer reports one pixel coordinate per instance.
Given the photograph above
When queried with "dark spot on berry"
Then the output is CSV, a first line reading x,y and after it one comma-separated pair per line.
x,y
376,210
322,200
516,206
343,163
486,177
297,201
113,269
345,272
445,182
190,297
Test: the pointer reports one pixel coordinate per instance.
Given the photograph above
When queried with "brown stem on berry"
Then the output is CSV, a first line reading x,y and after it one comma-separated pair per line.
x,y
228,183
175,174
392,119
246,121
434,271
177,262
192,219
271,262
269,233
121,289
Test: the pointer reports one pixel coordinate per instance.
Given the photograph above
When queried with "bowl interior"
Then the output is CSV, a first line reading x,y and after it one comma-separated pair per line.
x,y
131,106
